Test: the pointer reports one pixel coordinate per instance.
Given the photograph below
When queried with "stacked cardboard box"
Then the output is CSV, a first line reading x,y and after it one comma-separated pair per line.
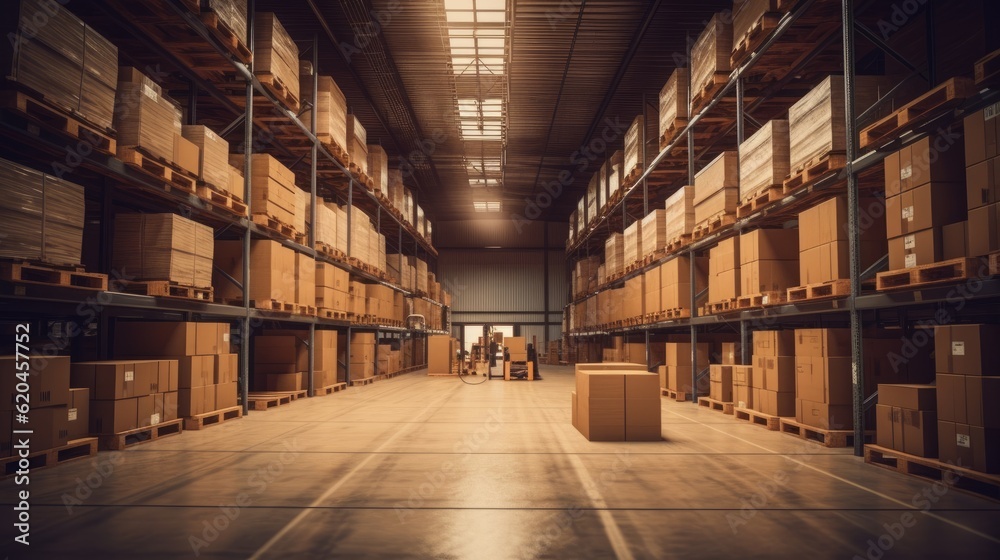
x,y
645,128
769,261
395,187
717,188
325,231
273,190
632,243
378,168
764,160
602,186
614,255
816,122
128,394
616,165
677,371
163,247
711,53
586,274
408,203
592,197
746,14
968,385
272,269
357,143
362,355
906,419
331,109
332,287
43,216
923,194
721,382
358,299
674,102
207,373
680,213
213,156
617,405
743,395
823,374
724,271
51,51
152,120
281,360
982,160
232,13
49,397
305,280
652,296
421,275
675,281
275,56
237,184
654,232
381,301
823,240
632,304
773,379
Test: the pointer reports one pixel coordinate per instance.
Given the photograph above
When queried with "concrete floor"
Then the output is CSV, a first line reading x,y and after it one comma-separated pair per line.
x,y
429,467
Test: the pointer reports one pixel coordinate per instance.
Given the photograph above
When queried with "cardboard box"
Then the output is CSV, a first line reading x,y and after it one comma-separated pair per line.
x,y
168,406
285,381
769,245
923,162
78,413
731,354
952,398
113,417
916,249
885,426
679,354
601,419
913,397
982,135
196,400
778,373
168,375
195,371
743,396
757,277
824,379
49,384
984,230
928,206
920,432
575,413
642,418
186,154
173,339
982,184
777,403
824,416
954,241
774,343
50,427
642,385
967,349
822,342
969,446
226,395
721,382
145,415
119,379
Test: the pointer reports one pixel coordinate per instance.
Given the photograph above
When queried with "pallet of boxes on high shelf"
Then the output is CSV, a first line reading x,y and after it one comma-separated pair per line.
x,y
163,255
753,21
710,59
638,155
716,194
679,218
357,148
276,60
283,280
723,276
764,165
49,80
215,180
44,225
673,106
331,113
58,416
275,197
769,265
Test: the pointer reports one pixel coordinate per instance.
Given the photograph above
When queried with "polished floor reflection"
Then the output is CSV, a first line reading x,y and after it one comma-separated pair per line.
x,y
429,467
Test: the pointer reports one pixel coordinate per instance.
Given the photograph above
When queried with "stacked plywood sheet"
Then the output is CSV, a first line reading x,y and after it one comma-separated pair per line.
x,y
654,232
232,13
764,159
273,187
331,109
146,118
710,55
679,217
638,155
276,57
674,103
213,159
614,255
816,123
163,247
717,188
357,144
632,243
42,216
378,168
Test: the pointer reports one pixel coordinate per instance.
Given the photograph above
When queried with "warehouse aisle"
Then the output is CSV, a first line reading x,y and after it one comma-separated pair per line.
x,y
433,468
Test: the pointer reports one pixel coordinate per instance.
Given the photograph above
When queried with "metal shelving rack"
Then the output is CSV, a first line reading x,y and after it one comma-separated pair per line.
x,y
855,309
25,298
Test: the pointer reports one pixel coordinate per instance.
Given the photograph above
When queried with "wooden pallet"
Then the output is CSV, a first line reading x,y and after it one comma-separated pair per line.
x,y
704,94
173,177
363,381
227,37
267,401
678,243
988,69
40,111
75,449
280,91
165,288
817,168
713,224
720,306
994,261
336,150
123,440
933,103
214,418
668,135
955,270
667,315
277,226
677,396
223,200
723,407
70,277
763,197
331,252
329,389
326,313
968,480
299,309
772,423
826,438
761,300
275,305
822,290
754,37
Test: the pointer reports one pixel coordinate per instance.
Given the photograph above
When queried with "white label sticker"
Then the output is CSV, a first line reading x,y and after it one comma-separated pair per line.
x,y
72,415
991,112
906,172
908,213
150,92
225,337
910,241
963,441
910,261
129,375
764,300
154,419
958,348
